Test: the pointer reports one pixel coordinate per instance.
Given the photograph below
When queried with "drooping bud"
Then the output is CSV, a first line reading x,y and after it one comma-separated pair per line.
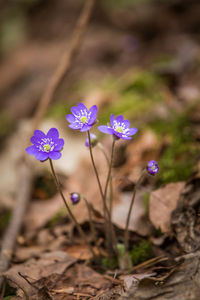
x,y
93,139
75,198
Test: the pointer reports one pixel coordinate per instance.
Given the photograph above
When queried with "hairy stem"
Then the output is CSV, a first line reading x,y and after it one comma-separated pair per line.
x,y
97,177
101,147
69,210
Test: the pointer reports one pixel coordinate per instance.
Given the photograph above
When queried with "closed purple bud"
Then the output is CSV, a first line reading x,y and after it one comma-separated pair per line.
x,y
93,139
152,167
75,197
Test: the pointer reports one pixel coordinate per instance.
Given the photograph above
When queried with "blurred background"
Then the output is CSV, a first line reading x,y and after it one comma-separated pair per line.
x,y
139,58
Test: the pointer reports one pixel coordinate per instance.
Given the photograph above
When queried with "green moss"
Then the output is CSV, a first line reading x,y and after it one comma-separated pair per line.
x,y
110,262
135,93
7,126
178,159
58,216
141,252
4,219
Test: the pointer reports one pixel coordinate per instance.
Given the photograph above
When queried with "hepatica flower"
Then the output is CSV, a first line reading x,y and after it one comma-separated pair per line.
x,y
81,118
46,146
152,167
119,128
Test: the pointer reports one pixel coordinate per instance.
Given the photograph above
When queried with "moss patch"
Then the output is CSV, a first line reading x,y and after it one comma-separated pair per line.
x,y
178,160
141,252
58,216
135,93
4,219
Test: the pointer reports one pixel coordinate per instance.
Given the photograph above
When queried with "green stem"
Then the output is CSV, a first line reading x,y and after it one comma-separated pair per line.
x,y
69,210
126,233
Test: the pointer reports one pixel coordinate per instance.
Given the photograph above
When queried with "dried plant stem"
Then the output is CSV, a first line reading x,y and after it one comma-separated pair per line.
x,y
126,232
69,210
65,61
92,228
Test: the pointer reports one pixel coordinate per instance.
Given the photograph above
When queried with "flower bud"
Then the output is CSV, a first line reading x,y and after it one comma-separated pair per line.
x,y
152,167
75,198
93,139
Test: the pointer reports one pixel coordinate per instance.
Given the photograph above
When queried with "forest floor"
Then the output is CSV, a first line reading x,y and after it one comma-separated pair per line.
x,y
149,73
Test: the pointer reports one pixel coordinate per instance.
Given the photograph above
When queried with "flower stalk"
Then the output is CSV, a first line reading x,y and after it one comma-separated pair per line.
x,y
126,232
69,210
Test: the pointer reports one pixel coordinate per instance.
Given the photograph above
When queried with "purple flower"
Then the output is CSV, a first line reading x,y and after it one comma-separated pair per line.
x,y
81,118
75,197
46,146
94,140
152,167
119,127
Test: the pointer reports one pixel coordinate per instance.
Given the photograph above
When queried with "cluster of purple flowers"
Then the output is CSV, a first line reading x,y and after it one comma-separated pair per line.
x,y
49,146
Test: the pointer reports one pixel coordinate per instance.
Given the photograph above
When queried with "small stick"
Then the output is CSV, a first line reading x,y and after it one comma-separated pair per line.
x,y
69,210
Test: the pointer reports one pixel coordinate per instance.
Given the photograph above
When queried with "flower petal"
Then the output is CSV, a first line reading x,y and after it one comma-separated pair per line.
x,y
132,131
75,110
112,118
59,143
81,106
120,118
126,123
41,155
85,128
32,150
53,133
70,118
39,134
55,155
35,139
118,134
106,129
93,116
75,126
125,137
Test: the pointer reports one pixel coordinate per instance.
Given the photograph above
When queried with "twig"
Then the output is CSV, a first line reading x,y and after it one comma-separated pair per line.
x,y
24,170
65,62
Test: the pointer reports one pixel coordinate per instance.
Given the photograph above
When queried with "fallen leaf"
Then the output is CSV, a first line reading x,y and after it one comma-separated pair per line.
x,y
162,203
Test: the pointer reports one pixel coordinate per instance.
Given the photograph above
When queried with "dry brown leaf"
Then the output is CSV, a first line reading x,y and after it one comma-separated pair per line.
x,y
34,269
129,280
162,203
79,252
138,220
